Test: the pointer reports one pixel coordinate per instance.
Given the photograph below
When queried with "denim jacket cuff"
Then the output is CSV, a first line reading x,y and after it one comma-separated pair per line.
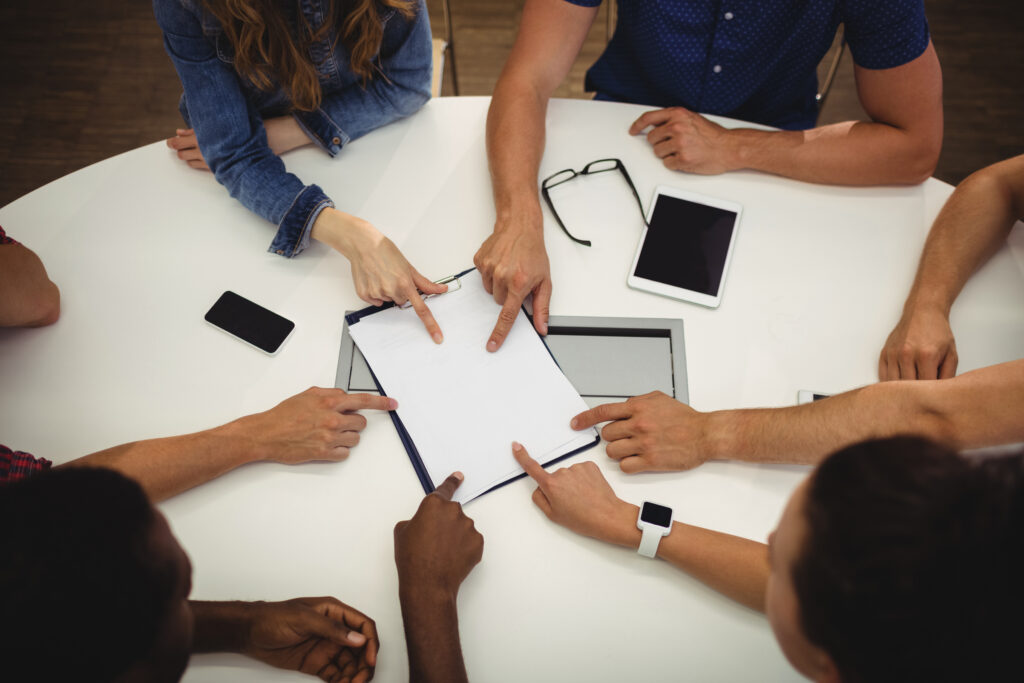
x,y
322,130
293,233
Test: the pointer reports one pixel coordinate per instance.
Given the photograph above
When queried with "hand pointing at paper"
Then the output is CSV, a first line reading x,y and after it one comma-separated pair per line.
x,y
514,264
434,553
580,499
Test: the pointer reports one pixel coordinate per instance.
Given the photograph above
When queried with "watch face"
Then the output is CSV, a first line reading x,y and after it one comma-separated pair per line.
x,y
659,515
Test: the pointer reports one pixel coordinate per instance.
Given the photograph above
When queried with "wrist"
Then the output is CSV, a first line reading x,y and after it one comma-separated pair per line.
x,y
221,626
624,532
758,150
239,443
344,232
722,435
928,300
425,596
522,214
736,154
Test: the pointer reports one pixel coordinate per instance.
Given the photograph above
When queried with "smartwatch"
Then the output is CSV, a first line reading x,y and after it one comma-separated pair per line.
x,y
656,523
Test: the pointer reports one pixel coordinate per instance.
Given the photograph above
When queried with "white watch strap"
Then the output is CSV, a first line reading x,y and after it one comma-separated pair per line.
x,y
650,540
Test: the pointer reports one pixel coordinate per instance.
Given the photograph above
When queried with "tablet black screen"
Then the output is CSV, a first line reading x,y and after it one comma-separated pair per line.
x,y
686,245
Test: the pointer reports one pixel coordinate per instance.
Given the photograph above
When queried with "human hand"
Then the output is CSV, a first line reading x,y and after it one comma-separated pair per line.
x,y
185,144
514,264
318,636
921,346
649,433
439,546
580,499
379,270
318,424
685,141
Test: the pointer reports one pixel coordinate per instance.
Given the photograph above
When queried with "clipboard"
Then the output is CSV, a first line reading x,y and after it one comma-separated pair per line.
x,y
403,433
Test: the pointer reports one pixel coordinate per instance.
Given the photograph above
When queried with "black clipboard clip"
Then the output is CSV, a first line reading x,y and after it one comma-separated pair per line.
x,y
450,281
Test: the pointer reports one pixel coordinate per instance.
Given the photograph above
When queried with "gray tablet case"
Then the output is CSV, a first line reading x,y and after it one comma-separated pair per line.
x,y
606,359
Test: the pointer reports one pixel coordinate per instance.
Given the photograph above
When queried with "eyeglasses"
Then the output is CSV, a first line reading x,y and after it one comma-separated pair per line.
x,y
599,166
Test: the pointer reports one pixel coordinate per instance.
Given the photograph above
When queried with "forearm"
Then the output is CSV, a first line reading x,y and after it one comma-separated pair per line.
x,y
285,134
971,227
27,296
432,636
515,145
167,466
848,153
735,567
976,409
219,626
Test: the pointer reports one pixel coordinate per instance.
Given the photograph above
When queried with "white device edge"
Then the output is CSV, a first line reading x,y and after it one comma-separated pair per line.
x,y
250,345
679,293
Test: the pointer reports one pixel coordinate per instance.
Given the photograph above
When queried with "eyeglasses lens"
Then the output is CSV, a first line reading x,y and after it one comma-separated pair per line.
x,y
602,165
560,177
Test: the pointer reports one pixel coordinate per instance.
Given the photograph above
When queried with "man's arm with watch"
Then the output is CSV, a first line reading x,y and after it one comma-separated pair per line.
x,y
580,499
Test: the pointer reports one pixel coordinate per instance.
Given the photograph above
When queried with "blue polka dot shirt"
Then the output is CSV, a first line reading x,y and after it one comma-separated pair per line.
x,y
754,60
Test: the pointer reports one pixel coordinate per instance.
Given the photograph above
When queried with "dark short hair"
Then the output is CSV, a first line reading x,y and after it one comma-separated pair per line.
x,y
83,596
911,569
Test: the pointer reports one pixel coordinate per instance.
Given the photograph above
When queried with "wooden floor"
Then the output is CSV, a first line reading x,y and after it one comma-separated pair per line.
x,y
83,81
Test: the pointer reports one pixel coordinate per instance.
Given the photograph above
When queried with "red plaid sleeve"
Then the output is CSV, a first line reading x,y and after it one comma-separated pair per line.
x,y
15,465
4,239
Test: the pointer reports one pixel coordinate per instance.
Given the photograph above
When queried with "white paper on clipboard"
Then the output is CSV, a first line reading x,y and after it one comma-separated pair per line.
x,y
462,405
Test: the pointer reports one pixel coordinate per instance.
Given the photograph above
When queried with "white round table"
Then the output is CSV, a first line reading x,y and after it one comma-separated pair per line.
x,y
141,246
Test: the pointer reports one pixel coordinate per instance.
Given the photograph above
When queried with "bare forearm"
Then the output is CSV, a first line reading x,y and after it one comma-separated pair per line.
x,y
976,409
735,567
432,637
167,466
971,227
219,626
285,134
515,145
899,145
27,296
848,153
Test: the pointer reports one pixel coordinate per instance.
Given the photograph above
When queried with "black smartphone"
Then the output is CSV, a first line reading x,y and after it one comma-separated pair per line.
x,y
250,322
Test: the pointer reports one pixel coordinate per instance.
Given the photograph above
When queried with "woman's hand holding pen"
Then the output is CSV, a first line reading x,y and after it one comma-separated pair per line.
x,y
379,270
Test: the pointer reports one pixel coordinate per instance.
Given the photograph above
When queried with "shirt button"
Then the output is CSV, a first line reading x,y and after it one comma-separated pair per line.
x,y
335,141
717,68
728,16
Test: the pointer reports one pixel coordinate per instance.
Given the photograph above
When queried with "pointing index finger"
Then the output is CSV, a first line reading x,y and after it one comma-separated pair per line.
x,y
350,402
531,466
601,413
425,315
507,317
447,488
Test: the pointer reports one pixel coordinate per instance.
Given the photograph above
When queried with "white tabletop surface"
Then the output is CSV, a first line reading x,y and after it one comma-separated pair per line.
x,y
141,246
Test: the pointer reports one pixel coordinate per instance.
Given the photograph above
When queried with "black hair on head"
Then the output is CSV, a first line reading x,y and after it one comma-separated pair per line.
x,y
84,596
911,569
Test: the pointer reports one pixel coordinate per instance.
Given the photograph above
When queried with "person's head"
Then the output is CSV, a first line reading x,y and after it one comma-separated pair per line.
x,y
900,560
267,54
95,586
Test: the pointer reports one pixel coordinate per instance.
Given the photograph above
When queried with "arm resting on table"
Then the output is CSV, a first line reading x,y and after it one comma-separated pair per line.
x,y
900,145
28,298
977,409
971,227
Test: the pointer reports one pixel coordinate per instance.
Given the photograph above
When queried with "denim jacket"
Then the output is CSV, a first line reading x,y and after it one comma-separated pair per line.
x,y
227,112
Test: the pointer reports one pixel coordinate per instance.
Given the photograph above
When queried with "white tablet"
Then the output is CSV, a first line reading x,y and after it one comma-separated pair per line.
x,y
685,252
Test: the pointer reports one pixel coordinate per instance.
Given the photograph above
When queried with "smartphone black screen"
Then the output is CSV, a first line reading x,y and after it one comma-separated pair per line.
x,y
250,322
686,245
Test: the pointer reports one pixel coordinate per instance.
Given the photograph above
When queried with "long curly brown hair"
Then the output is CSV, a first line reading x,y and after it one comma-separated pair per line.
x,y
266,53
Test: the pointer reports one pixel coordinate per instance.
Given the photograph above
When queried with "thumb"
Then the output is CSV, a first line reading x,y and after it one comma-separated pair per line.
x,y
315,624
541,306
425,285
